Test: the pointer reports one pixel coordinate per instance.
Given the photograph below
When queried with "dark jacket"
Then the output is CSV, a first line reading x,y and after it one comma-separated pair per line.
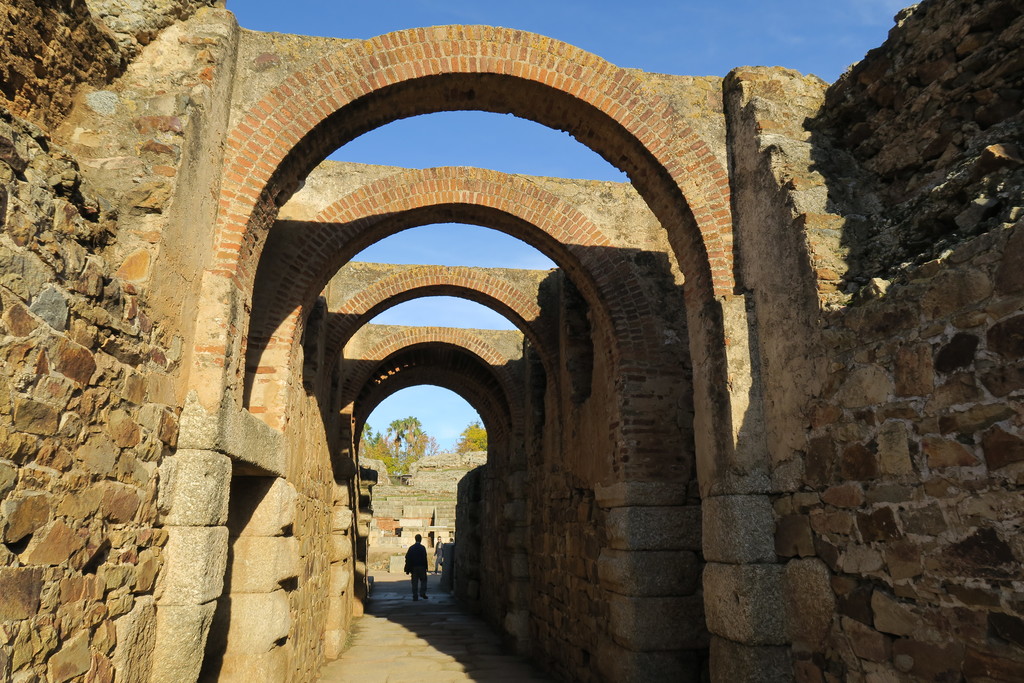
x,y
415,557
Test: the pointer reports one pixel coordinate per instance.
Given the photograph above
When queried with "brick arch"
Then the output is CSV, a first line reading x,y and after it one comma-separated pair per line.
x,y
438,347
307,254
459,378
473,284
366,84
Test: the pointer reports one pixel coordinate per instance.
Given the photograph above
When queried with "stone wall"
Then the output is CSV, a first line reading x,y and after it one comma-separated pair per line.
x,y
892,434
913,472
933,119
51,49
87,413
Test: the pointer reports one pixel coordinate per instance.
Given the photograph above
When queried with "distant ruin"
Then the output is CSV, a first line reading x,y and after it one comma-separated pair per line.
x,y
762,423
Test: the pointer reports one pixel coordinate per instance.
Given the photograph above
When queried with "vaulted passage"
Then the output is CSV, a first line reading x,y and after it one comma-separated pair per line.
x,y
760,422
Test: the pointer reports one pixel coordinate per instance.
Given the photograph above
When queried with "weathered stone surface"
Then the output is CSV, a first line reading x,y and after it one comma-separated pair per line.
x,y
844,495
1007,338
810,602
656,623
52,307
744,602
248,666
734,662
617,663
793,537
737,529
136,637
649,573
194,569
53,545
258,621
913,373
181,632
928,661
120,501
892,616
894,449
865,386
194,488
947,453
264,510
21,516
261,564
654,528
72,660
866,642
20,587
35,417
1001,448
879,525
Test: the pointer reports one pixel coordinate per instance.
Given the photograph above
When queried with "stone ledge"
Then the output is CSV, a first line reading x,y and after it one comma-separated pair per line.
x,y
233,431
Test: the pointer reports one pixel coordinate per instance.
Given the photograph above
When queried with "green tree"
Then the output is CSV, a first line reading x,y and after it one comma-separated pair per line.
x,y
402,443
473,438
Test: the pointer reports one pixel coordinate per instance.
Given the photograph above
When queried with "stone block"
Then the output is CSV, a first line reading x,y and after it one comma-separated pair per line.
x,y
651,624
865,386
810,602
20,588
649,573
793,536
894,449
194,487
233,430
341,547
867,643
892,616
744,603
633,493
136,636
22,516
341,578
738,529
53,545
73,659
341,518
181,632
264,667
265,506
195,559
259,564
654,528
616,663
257,621
732,662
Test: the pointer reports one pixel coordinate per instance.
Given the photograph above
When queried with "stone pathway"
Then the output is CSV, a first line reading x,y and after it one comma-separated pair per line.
x,y
426,641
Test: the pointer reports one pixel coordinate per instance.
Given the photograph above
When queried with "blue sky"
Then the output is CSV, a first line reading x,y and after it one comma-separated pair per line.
x,y
699,38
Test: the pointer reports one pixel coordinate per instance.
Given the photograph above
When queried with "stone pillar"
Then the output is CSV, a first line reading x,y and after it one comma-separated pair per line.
x,y
194,499
650,575
743,581
339,593
253,619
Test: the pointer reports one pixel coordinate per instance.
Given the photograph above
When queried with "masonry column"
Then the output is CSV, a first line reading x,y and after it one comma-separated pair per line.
x,y
194,488
743,580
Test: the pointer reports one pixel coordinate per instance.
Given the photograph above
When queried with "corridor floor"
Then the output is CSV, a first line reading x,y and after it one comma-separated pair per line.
x,y
399,640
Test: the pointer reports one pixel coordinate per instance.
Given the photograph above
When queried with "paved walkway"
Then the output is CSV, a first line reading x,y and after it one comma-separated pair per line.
x,y
426,641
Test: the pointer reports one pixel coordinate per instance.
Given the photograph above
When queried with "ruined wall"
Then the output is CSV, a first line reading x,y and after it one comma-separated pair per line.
x,y
51,49
933,119
913,464
88,411
891,422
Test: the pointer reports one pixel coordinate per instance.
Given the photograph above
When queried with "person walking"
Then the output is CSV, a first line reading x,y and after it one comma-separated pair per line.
x,y
416,565
438,552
